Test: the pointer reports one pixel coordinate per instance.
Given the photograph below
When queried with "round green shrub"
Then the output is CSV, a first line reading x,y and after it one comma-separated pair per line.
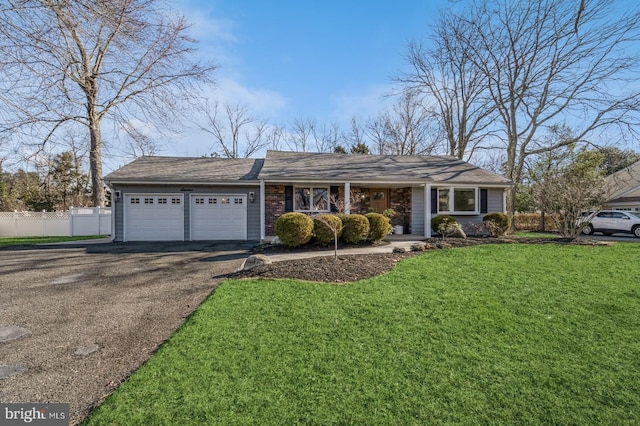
x,y
439,220
355,228
379,226
323,226
499,223
342,216
294,229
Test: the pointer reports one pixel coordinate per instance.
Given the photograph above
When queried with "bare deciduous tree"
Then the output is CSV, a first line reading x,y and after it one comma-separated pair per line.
x,y
307,135
80,62
236,134
541,72
453,87
407,129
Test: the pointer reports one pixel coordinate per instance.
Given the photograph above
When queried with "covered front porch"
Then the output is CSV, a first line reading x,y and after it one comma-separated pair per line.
x,y
404,204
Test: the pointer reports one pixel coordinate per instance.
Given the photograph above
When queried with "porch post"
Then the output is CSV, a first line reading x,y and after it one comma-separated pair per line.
x,y
262,210
427,211
347,197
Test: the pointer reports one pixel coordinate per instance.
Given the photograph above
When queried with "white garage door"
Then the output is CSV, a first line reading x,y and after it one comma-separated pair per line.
x,y
218,217
154,217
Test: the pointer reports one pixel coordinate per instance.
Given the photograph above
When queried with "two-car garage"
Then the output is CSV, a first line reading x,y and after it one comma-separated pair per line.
x,y
187,199
161,217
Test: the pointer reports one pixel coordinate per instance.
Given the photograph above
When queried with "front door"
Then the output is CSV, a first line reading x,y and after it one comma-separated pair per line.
x,y
379,200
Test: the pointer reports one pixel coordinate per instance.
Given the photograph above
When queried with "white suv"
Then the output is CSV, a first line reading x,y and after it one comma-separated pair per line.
x,y
613,221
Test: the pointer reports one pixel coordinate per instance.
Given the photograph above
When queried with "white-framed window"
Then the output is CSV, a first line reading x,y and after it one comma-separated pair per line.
x,y
175,201
199,200
148,200
213,201
162,201
311,198
135,201
458,200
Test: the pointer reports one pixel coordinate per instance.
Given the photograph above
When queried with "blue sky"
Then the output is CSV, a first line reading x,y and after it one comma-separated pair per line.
x,y
327,60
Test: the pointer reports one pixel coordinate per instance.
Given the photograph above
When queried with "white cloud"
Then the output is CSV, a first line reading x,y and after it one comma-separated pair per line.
x,y
261,103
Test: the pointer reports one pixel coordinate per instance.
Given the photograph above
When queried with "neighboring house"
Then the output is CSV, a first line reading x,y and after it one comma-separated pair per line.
x,y
168,198
623,189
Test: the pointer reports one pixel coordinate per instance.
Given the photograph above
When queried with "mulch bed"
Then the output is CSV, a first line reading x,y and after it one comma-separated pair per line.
x,y
350,268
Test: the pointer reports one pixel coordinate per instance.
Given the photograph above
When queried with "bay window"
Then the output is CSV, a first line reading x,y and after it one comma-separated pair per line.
x,y
309,198
457,200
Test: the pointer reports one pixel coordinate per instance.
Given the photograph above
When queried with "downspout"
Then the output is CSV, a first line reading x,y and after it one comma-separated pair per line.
x,y
113,213
427,210
347,197
262,211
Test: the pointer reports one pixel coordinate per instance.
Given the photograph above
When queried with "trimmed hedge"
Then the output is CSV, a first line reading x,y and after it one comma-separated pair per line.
x,y
500,223
439,220
294,229
323,226
379,226
355,228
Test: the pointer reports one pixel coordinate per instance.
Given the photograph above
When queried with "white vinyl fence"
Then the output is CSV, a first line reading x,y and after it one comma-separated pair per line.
x,y
78,221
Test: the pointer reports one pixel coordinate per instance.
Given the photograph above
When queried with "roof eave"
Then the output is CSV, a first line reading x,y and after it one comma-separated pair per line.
x,y
385,182
182,182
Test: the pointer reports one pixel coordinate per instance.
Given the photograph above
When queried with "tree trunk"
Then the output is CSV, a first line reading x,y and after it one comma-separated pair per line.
x,y
95,162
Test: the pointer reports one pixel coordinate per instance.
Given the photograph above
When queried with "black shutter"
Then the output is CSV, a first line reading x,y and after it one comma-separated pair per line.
x,y
288,198
483,201
334,193
434,200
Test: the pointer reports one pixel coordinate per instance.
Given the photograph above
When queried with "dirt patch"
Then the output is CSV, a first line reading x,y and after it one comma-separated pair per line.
x,y
349,268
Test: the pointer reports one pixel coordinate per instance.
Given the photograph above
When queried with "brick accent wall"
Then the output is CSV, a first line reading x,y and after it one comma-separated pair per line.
x,y
400,201
361,205
273,207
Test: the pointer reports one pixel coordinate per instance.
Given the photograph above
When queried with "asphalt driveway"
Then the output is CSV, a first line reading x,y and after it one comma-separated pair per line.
x,y
92,314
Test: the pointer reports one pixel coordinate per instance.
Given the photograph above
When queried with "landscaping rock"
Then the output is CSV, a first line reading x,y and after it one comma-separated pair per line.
x,y
7,371
256,260
12,332
418,247
399,250
458,233
86,350
276,242
443,245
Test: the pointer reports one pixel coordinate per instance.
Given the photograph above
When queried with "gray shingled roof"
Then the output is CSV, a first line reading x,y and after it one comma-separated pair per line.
x,y
623,181
300,166
186,169
292,166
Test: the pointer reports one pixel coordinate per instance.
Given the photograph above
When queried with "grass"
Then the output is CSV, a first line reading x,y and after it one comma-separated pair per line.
x,y
15,241
495,334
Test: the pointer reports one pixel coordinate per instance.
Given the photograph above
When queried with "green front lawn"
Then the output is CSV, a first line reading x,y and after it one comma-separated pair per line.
x,y
18,241
495,334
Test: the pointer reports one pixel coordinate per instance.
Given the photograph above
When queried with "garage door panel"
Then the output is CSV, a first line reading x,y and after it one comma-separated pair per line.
x,y
218,217
154,217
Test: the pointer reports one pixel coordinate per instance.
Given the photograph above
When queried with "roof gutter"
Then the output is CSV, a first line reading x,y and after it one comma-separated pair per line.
x,y
386,182
182,183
